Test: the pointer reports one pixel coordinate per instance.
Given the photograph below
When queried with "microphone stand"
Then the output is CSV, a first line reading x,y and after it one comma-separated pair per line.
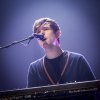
x,y
16,42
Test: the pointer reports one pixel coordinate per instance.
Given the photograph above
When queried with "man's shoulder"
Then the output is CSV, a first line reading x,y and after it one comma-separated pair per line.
x,y
36,62
74,54
35,65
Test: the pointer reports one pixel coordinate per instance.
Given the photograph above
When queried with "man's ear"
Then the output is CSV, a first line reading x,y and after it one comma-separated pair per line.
x,y
58,34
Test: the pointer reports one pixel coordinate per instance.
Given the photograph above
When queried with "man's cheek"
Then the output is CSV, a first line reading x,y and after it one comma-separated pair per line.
x,y
51,39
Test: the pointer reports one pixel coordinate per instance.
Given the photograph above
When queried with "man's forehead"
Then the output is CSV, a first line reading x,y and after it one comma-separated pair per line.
x,y
46,24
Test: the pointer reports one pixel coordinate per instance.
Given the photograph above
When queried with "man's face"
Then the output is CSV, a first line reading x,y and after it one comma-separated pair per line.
x,y
48,33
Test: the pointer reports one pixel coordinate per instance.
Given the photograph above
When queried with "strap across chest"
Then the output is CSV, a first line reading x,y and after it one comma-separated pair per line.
x,y
62,72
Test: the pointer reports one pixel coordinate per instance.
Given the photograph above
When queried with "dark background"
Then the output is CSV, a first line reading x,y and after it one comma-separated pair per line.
x,y
79,21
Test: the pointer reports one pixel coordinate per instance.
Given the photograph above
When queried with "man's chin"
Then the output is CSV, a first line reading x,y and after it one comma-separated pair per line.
x,y
45,45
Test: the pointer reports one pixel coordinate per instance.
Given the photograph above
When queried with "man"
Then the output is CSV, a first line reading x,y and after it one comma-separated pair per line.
x,y
57,66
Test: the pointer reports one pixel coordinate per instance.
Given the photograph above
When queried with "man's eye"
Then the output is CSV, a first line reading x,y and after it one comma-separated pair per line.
x,y
46,28
38,31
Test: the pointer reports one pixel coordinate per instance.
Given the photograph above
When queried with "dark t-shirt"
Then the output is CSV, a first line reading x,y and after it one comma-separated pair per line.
x,y
77,69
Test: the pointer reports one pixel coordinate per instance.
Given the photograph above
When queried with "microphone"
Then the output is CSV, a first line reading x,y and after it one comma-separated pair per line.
x,y
39,36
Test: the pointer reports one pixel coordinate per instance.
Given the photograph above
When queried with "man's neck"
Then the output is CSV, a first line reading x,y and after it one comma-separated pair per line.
x,y
53,52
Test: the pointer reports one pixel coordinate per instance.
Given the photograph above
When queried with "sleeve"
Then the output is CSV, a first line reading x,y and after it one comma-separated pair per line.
x,y
85,71
32,80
